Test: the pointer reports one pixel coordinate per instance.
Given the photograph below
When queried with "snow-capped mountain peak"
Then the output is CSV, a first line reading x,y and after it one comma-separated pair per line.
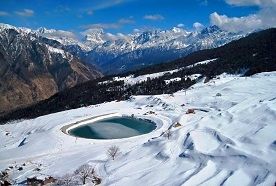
x,y
176,30
211,29
43,30
4,27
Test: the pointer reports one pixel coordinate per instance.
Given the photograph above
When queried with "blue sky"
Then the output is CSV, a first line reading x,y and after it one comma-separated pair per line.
x,y
128,16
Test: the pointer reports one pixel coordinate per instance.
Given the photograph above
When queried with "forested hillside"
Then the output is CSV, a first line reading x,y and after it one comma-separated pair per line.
x,y
253,54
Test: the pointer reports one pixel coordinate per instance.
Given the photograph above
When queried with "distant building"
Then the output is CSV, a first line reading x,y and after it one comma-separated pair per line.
x,y
190,111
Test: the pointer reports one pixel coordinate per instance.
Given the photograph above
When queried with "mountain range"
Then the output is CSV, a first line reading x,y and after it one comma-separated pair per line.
x,y
247,56
120,53
35,64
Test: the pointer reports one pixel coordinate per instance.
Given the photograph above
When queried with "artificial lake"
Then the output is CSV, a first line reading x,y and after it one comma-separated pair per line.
x,y
113,128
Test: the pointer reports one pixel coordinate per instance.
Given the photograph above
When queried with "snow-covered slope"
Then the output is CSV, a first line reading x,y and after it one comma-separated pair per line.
x,y
230,140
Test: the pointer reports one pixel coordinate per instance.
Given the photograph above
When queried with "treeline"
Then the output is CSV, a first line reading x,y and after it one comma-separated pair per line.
x,y
98,91
253,54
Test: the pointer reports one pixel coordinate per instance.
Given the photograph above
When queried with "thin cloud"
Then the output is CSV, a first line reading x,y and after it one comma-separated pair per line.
x,y
3,13
102,25
62,8
59,33
117,25
155,17
108,3
126,21
180,25
203,2
198,25
243,2
25,13
89,12
260,3
136,30
147,28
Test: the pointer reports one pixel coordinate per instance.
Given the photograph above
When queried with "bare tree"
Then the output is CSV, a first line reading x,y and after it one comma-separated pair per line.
x,y
67,179
85,171
168,134
113,151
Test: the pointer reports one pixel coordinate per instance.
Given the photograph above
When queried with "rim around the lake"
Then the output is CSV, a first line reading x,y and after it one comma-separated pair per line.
x,y
65,129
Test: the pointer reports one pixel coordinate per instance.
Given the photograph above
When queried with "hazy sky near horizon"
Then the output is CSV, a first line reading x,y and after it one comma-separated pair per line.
x,y
127,16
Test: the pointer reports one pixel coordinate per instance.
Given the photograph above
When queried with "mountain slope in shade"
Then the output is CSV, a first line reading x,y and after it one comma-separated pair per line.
x,y
31,70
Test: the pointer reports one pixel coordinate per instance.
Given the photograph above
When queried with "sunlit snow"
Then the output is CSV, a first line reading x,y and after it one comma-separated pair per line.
x,y
229,140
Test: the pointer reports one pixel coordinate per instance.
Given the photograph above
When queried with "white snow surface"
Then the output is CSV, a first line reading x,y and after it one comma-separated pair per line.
x,y
131,80
62,52
230,140
202,62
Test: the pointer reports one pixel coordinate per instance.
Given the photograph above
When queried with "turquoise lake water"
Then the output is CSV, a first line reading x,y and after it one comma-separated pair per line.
x,y
113,128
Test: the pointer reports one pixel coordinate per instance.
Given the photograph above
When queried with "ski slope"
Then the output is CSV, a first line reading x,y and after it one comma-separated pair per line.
x,y
230,140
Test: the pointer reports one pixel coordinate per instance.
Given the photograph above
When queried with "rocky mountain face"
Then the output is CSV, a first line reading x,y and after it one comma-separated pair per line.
x,y
33,68
121,53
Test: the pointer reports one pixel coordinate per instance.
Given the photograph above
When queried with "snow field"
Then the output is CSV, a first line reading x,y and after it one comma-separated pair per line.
x,y
230,140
